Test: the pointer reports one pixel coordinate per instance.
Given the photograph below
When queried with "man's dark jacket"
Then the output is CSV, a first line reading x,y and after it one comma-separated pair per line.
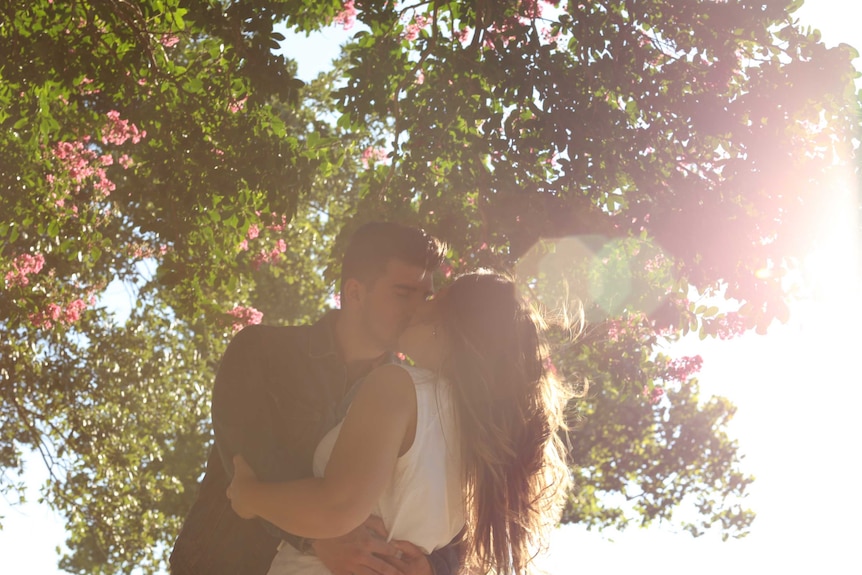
x,y
277,392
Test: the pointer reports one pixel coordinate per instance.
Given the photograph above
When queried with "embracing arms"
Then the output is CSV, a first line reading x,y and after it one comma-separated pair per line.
x,y
373,435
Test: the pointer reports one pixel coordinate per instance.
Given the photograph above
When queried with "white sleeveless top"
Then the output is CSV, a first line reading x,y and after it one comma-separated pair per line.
x,y
424,501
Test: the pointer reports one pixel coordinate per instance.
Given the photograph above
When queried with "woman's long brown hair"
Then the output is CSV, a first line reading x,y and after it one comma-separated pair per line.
x,y
509,408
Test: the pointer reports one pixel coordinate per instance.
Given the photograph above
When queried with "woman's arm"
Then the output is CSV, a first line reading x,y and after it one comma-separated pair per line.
x,y
359,468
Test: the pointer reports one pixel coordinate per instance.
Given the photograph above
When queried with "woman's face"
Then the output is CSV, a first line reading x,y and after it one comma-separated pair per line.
x,y
422,341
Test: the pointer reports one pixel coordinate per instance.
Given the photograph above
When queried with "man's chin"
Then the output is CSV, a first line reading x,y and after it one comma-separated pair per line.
x,y
394,347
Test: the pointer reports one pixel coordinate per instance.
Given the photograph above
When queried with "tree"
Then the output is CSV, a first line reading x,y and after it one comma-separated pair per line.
x,y
628,152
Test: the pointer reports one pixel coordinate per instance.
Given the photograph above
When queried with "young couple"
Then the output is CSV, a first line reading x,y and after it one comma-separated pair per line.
x,y
451,460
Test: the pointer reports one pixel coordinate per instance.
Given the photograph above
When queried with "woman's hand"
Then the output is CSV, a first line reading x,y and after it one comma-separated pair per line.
x,y
241,487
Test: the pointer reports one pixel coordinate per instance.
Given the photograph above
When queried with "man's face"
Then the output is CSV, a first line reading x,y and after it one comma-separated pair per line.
x,y
389,303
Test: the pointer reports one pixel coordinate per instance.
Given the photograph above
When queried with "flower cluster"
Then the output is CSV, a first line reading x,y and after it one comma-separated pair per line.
x,y
244,316
143,250
729,326
86,87
654,395
657,262
531,8
347,17
266,254
23,266
80,161
117,130
615,330
631,325
683,368
412,30
55,313
169,40
372,155
235,105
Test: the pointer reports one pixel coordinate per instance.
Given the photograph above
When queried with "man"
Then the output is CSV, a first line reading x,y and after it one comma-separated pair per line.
x,y
280,389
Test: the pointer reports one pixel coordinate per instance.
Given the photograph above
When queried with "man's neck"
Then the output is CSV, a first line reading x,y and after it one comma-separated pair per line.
x,y
353,343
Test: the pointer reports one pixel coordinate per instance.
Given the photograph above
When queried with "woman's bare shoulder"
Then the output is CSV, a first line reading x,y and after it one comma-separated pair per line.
x,y
389,375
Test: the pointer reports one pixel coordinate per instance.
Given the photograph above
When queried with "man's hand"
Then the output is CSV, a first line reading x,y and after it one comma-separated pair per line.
x,y
363,551
413,560
240,487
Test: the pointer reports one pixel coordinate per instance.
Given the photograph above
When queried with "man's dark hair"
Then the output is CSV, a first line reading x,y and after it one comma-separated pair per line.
x,y
374,244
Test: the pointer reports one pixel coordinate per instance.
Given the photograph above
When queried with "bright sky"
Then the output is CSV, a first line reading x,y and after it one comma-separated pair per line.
x,y
797,391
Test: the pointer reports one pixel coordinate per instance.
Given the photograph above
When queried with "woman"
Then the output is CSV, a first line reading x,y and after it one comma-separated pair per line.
x,y
467,437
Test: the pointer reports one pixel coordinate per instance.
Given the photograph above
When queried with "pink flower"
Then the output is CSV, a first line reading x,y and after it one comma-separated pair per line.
x,y
614,330
235,106
103,184
347,16
38,319
655,263
23,266
169,40
372,155
55,313
125,161
730,326
654,395
117,130
259,259
683,368
551,37
253,231
73,311
420,77
412,30
76,159
244,316
278,227
531,8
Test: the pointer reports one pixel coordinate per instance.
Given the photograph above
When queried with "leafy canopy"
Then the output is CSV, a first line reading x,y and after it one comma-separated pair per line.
x,y
628,153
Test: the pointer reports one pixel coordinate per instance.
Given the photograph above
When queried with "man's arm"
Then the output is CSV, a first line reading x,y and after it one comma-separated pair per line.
x,y
241,426
237,404
359,468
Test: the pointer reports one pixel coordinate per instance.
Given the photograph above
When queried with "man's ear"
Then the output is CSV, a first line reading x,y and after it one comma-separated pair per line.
x,y
353,292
